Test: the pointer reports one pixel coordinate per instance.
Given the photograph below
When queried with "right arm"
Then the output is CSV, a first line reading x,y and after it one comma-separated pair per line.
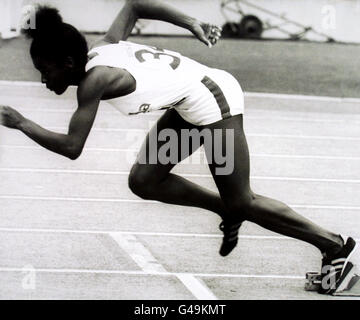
x,y
157,10
69,145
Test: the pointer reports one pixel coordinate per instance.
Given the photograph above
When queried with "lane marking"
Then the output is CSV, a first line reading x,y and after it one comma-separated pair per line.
x,y
166,274
149,264
255,135
302,119
247,94
304,156
255,155
284,96
189,175
127,237
307,137
197,287
115,200
351,120
75,199
141,256
123,234
35,84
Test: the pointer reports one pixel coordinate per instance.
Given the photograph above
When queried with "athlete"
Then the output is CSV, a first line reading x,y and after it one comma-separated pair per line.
x,y
137,78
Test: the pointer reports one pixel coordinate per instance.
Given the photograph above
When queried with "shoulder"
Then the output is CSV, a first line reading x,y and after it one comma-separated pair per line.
x,y
104,41
99,79
93,84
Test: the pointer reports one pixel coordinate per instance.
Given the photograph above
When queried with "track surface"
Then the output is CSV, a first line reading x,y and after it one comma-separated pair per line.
x,y
260,66
73,230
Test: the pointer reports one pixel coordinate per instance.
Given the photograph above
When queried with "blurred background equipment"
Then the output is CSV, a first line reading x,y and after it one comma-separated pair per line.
x,y
251,26
320,20
10,11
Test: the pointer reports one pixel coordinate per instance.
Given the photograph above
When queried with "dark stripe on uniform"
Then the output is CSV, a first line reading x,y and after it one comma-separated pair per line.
x,y
218,95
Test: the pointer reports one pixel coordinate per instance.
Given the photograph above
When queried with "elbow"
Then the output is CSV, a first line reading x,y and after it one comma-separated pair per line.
x,y
74,156
74,153
137,6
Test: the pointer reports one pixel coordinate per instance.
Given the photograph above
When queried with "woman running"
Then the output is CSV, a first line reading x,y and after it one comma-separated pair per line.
x,y
200,100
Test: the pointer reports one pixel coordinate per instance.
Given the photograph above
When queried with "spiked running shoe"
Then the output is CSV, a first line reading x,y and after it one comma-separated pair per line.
x,y
230,239
337,271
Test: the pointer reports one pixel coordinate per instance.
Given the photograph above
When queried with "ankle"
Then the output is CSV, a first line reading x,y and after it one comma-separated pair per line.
x,y
336,246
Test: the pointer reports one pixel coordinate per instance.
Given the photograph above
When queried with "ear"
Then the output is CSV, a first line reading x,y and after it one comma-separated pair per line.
x,y
69,63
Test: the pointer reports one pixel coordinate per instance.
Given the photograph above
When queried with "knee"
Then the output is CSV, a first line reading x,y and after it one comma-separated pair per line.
x,y
140,182
242,204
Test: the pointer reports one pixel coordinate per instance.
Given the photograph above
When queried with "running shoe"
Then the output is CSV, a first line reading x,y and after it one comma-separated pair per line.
x,y
230,239
337,270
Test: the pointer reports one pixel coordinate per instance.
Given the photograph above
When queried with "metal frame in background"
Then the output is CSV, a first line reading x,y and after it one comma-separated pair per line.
x,y
235,6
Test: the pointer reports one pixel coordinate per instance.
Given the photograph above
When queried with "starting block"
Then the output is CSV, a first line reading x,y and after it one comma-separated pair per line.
x,y
350,287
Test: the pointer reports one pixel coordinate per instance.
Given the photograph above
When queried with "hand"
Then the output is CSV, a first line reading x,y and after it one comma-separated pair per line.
x,y
206,33
10,118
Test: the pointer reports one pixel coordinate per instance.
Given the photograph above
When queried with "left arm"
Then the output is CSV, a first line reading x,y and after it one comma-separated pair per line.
x,y
71,144
158,10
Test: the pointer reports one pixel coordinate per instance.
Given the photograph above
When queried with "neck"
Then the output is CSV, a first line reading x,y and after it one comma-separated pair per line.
x,y
78,76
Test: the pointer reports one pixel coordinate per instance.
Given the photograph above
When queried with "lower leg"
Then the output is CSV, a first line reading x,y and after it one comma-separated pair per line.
x,y
271,214
174,189
278,217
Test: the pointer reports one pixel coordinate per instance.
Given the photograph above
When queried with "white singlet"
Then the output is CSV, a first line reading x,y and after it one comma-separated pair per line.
x,y
165,79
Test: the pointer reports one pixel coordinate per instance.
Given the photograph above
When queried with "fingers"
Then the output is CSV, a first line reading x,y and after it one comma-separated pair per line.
x,y
207,33
205,40
213,34
9,117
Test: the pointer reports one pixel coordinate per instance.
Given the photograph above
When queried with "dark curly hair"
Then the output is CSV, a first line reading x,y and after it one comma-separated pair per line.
x,y
55,40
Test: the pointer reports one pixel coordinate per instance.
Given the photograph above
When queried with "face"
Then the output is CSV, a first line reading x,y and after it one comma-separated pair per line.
x,y
56,77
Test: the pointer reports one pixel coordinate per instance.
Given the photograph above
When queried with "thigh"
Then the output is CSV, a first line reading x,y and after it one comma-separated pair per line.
x,y
228,157
165,135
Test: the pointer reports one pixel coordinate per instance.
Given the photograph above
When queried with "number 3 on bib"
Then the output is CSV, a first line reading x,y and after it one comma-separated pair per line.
x,y
143,56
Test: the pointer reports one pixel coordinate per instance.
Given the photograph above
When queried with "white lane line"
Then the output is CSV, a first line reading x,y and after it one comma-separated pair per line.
x,y
254,155
351,120
148,264
166,274
247,94
127,237
304,156
22,84
255,276
256,135
141,256
197,287
301,119
123,234
75,199
307,137
188,175
300,97
114,200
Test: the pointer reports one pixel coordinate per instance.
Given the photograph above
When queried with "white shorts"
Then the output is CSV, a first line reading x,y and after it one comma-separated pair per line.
x,y
216,97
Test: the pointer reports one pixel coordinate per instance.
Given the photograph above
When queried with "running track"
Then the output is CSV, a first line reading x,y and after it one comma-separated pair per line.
x,y
73,230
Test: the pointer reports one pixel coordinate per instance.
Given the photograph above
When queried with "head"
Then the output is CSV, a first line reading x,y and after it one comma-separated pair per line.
x,y
58,50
